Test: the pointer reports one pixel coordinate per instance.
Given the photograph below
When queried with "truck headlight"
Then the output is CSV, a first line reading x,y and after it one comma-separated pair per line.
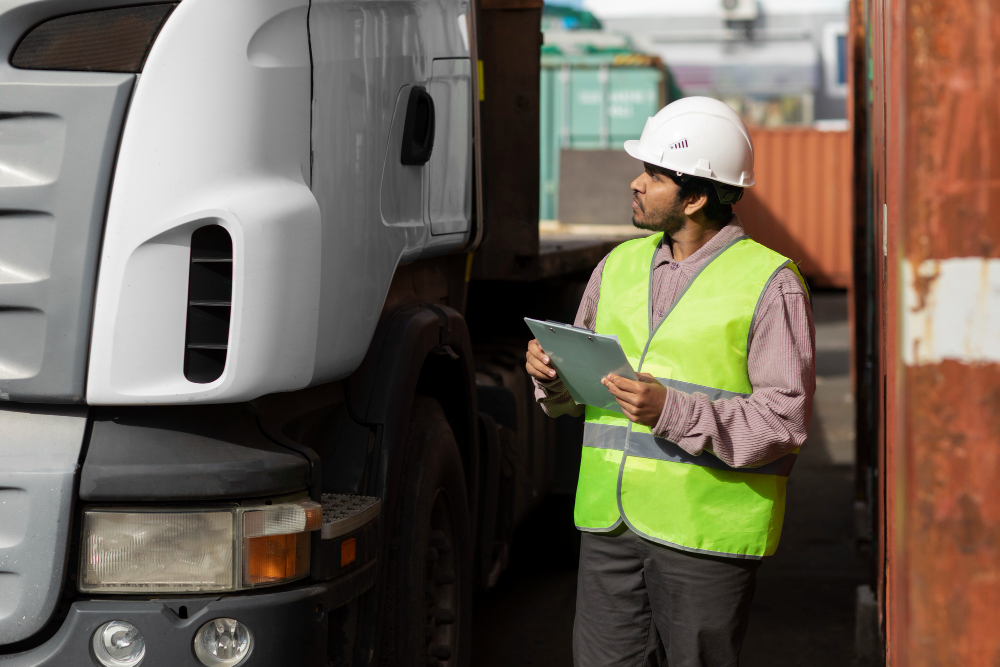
x,y
139,550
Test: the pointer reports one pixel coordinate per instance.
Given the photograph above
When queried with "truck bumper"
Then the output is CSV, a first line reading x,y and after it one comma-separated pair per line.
x,y
289,627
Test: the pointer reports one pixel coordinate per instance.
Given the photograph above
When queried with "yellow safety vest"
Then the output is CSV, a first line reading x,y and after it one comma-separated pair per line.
x,y
696,503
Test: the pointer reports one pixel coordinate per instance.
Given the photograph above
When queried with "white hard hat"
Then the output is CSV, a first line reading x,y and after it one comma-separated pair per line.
x,y
698,136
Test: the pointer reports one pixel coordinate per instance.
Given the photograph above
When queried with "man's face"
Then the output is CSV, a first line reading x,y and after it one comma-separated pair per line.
x,y
655,205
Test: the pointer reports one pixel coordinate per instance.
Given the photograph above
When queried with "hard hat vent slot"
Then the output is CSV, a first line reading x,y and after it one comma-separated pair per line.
x,y
677,145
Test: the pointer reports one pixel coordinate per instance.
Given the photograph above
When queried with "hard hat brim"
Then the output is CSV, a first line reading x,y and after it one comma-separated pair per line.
x,y
633,148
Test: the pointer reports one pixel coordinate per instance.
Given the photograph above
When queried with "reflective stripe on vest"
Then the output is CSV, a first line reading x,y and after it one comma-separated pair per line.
x,y
646,445
697,503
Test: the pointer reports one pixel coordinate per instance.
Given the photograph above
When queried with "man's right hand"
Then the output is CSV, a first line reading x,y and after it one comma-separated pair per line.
x,y
538,363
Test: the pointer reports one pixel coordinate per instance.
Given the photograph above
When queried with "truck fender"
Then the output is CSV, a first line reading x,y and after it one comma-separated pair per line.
x,y
418,350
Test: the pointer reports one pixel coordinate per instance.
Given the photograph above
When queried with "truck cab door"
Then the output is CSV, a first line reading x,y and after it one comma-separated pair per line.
x,y
449,170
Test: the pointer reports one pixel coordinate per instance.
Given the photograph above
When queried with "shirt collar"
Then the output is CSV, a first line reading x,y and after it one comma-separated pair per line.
x,y
732,231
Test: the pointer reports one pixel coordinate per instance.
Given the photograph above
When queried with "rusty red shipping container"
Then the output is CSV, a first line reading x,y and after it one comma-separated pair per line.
x,y
801,203
929,321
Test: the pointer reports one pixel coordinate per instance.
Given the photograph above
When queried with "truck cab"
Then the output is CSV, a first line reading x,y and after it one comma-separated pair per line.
x,y
246,414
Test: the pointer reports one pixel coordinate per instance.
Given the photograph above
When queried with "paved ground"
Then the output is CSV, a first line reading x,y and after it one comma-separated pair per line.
x,y
803,614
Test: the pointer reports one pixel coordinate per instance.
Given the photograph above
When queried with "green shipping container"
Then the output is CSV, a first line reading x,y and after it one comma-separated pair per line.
x,y
594,102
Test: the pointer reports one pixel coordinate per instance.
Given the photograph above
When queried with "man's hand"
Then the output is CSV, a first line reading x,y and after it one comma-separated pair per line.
x,y
642,400
538,363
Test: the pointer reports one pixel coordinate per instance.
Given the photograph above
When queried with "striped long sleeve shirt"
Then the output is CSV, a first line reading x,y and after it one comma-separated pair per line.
x,y
743,432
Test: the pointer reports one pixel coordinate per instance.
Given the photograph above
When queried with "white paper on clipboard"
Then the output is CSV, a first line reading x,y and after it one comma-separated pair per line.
x,y
582,359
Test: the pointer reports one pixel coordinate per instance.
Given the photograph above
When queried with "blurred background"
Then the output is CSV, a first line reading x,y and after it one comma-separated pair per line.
x,y
608,65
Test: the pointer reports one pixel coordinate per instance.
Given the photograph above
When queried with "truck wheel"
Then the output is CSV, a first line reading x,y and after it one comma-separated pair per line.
x,y
434,585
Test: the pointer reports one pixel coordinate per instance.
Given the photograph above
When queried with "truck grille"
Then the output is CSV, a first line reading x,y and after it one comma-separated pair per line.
x,y
58,139
38,461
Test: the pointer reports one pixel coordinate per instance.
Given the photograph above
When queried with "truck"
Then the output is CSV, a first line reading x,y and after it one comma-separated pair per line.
x,y
262,270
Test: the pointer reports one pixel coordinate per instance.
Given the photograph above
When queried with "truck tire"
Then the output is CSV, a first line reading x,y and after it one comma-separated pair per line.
x,y
434,578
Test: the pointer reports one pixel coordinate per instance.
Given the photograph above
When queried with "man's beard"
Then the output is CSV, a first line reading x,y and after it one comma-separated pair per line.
x,y
669,221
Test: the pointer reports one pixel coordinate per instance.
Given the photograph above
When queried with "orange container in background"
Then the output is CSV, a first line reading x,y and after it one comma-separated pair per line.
x,y
801,203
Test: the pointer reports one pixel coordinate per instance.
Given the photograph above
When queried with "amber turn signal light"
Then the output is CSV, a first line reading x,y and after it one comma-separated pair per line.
x,y
276,542
273,559
348,551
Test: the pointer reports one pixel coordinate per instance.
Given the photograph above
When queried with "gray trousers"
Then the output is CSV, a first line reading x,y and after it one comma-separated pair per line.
x,y
640,604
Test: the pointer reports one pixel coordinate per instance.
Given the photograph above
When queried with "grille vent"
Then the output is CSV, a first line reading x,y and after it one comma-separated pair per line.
x,y
683,143
210,294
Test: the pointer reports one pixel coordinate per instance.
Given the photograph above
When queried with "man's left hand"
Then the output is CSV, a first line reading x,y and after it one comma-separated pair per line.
x,y
642,400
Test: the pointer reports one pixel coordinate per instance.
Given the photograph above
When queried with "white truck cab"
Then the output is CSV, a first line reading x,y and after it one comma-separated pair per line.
x,y
243,417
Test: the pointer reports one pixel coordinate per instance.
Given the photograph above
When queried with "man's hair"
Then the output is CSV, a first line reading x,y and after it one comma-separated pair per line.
x,y
696,186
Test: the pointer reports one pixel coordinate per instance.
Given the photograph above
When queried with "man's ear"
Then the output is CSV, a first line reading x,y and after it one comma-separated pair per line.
x,y
695,203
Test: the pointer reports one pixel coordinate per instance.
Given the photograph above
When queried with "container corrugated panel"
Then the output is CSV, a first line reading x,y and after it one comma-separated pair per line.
x,y
801,203
928,298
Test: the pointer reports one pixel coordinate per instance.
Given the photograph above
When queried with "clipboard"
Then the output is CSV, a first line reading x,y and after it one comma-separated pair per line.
x,y
582,359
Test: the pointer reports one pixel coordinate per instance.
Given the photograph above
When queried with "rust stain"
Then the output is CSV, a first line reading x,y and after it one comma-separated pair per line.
x,y
923,281
934,122
953,127
954,538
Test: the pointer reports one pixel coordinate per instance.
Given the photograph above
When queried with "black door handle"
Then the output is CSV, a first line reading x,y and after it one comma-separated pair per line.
x,y
418,130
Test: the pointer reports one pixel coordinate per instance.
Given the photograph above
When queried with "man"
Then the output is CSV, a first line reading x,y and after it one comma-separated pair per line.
x,y
682,494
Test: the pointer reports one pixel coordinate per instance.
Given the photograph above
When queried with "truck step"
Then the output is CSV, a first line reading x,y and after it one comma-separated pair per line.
x,y
344,513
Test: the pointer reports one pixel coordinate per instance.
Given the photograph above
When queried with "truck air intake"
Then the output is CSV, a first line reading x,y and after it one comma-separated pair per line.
x,y
210,293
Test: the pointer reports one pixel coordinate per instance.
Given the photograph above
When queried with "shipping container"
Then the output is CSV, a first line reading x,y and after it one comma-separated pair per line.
x,y
927,325
593,102
801,202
